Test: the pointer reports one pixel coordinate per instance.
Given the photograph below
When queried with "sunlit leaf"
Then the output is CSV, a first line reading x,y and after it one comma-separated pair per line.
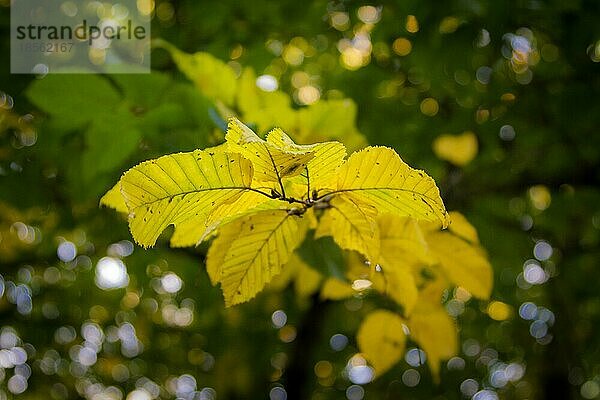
x,y
189,232
270,163
378,176
352,226
400,285
322,169
250,251
461,227
330,119
381,340
179,187
212,76
307,280
465,264
114,199
435,332
335,289
403,247
402,241
457,149
264,109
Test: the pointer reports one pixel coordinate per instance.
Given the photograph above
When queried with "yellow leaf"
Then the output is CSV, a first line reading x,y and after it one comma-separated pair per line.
x,y
402,241
265,109
378,176
193,231
403,247
307,280
322,169
330,119
431,291
250,251
363,275
335,289
114,199
458,149
287,275
381,340
189,232
463,263
246,202
270,163
435,332
215,79
352,226
461,227
401,287
178,187
311,219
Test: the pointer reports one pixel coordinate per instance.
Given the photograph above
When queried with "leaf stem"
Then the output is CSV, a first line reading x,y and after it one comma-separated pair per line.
x,y
307,184
276,173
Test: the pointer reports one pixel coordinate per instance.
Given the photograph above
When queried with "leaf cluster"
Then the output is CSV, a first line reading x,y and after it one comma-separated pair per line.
x,y
261,197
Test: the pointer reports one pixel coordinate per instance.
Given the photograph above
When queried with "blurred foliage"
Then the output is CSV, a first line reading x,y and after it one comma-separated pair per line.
x,y
521,76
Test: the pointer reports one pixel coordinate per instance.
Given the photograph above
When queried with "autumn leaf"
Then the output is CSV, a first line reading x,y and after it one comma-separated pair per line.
x,y
251,250
457,149
257,198
352,226
403,247
460,226
381,340
213,77
270,162
435,332
114,199
178,187
378,176
264,109
306,280
461,258
330,119
335,289
321,171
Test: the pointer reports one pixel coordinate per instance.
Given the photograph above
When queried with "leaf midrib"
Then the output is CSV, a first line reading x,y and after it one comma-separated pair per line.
x,y
245,274
196,191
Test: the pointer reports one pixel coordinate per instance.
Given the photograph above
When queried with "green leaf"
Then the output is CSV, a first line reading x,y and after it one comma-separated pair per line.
x,y
106,150
324,255
73,99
